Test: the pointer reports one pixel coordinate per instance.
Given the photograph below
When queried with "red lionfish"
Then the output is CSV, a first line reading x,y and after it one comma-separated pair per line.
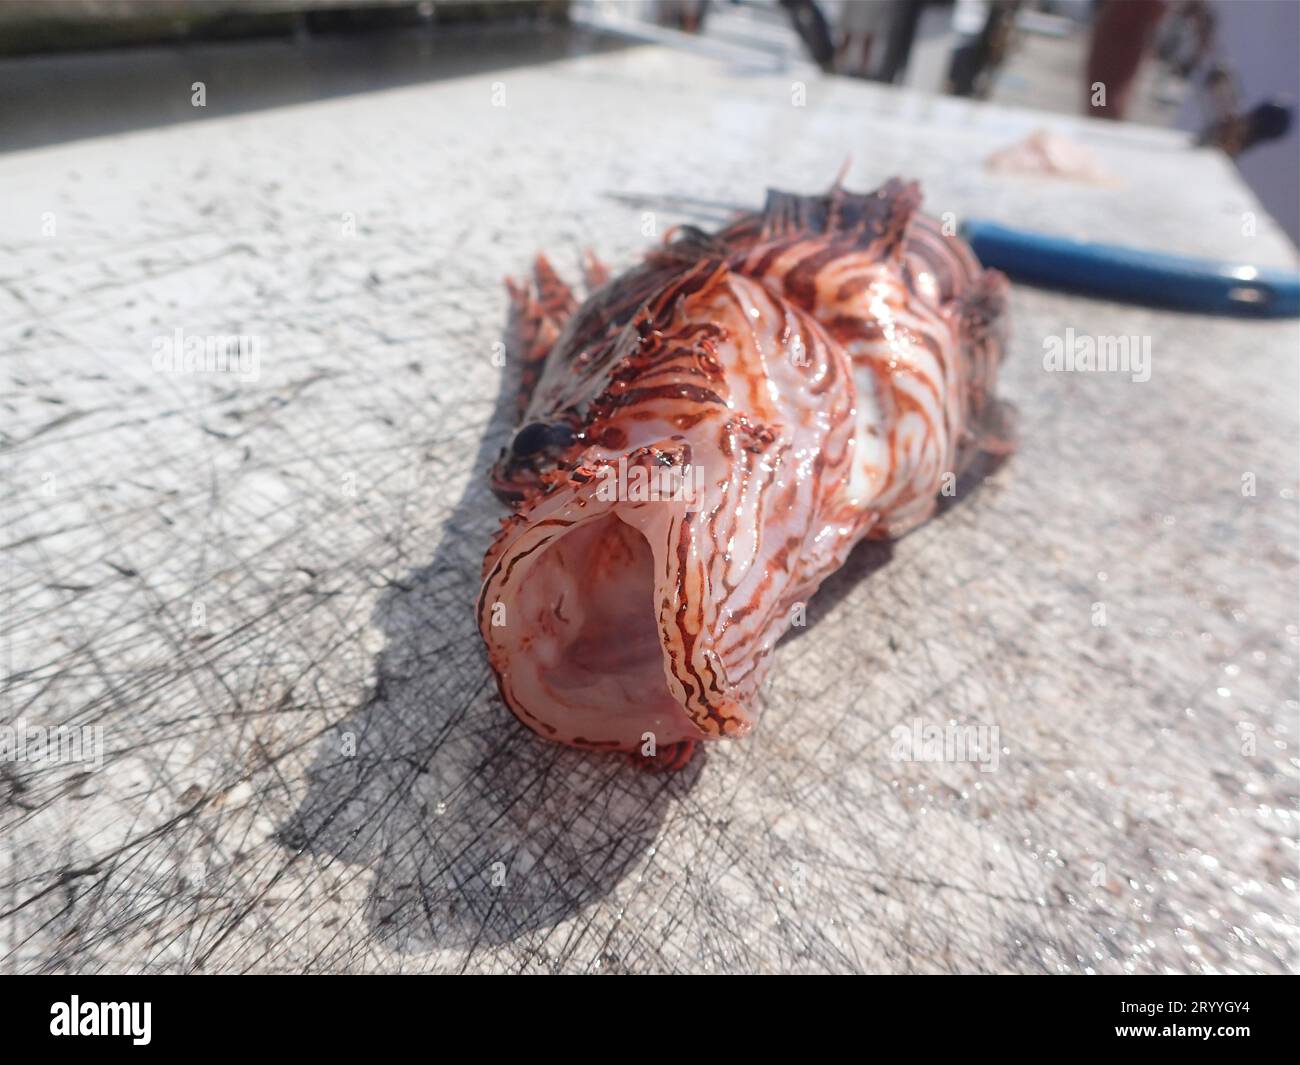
x,y
819,367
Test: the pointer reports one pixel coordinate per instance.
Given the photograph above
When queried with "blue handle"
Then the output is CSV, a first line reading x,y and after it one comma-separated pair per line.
x,y
1135,275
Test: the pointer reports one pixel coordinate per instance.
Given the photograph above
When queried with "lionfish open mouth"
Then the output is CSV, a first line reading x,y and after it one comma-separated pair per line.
x,y
703,441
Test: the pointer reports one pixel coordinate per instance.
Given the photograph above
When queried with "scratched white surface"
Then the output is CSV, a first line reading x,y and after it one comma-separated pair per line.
x,y
330,518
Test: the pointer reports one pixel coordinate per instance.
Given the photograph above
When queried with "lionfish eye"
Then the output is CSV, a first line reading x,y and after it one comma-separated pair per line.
x,y
559,435
537,435
531,438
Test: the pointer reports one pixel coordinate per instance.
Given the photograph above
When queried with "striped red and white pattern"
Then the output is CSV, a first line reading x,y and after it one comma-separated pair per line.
x,y
824,364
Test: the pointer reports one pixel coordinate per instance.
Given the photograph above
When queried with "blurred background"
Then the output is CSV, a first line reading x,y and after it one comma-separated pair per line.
x,y
1225,71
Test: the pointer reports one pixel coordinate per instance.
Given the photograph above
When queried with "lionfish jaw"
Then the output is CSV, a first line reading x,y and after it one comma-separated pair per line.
x,y
638,626
576,613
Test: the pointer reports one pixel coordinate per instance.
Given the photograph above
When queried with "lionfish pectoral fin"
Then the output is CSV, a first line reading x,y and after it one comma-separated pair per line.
x,y
594,271
539,310
557,298
530,334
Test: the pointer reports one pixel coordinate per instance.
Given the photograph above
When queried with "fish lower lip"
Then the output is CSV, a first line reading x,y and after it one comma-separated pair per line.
x,y
587,660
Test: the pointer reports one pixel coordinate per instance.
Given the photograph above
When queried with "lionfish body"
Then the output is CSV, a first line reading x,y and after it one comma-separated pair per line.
x,y
816,369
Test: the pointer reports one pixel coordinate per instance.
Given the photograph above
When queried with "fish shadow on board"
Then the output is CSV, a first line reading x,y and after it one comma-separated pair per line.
x,y
477,831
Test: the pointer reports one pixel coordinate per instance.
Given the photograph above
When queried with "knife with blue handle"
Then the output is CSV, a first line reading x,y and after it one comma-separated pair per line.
x,y
1135,275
